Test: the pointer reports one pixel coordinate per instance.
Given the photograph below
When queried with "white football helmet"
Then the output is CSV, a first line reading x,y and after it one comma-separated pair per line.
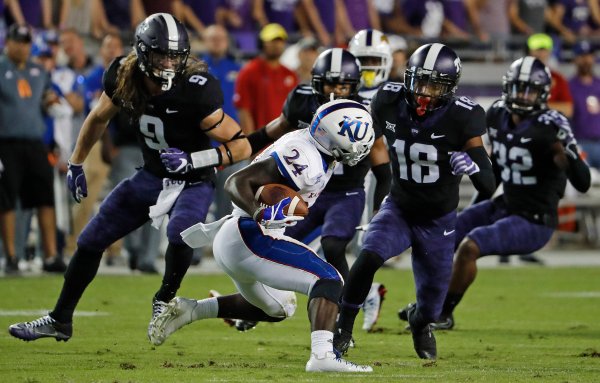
x,y
374,52
343,129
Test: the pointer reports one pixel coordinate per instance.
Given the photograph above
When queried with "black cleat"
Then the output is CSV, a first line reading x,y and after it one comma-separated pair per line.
x,y
244,325
446,322
531,258
44,327
504,259
342,341
11,266
56,265
423,339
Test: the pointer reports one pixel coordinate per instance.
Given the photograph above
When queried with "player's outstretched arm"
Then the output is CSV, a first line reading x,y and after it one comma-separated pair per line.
x,y
483,179
566,156
93,127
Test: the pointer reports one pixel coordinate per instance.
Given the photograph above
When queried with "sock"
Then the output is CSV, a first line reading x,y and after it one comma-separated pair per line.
x,y
207,308
321,342
81,271
178,259
450,303
347,316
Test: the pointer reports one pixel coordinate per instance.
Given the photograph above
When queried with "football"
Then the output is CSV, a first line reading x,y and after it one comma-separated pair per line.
x,y
270,194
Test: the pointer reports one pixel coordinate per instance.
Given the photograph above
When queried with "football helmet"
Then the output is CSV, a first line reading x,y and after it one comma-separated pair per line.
x,y
526,86
335,66
431,77
162,47
372,48
343,129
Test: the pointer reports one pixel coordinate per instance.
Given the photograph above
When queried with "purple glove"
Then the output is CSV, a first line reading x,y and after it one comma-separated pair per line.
x,y
273,217
461,163
176,160
76,181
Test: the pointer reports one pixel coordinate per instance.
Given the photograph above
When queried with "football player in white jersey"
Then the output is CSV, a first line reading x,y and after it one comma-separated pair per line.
x,y
266,265
372,48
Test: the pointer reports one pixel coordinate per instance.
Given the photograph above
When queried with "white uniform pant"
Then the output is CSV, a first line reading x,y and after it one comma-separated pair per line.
x,y
267,267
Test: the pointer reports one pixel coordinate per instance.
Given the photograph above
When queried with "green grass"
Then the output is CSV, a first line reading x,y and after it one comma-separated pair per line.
x,y
514,325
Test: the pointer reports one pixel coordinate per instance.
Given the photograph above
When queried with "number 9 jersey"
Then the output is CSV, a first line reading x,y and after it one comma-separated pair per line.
x,y
423,185
172,119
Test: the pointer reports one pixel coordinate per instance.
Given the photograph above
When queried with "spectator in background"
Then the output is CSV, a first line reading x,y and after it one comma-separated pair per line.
x,y
226,69
363,14
528,16
111,16
408,18
308,50
236,16
489,19
281,12
456,23
319,19
36,13
82,64
26,173
574,18
585,88
264,83
540,46
399,57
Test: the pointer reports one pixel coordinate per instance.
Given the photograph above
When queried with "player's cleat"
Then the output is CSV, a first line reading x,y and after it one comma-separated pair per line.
x,y
504,260
55,265
342,341
372,305
332,363
158,307
531,258
177,314
44,327
403,313
446,322
423,339
244,325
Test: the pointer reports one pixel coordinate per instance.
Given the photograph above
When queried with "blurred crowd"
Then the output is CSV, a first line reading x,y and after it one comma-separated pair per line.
x,y
55,53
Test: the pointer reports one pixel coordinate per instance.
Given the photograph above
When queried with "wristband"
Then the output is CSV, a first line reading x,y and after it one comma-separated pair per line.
x,y
206,158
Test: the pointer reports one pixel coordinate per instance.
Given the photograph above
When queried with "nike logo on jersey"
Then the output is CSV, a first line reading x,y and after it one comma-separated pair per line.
x,y
435,136
447,233
169,111
525,140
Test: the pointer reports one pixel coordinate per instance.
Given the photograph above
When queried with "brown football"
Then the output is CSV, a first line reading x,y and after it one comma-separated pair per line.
x,y
270,194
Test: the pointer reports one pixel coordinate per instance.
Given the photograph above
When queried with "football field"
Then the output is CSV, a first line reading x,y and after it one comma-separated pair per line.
x,y
526,324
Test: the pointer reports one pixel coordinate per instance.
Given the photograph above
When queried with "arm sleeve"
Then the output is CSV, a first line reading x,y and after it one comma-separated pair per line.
x,y
484,180
383,175
579,173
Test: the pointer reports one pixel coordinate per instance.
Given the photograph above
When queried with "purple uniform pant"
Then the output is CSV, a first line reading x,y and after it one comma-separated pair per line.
x,y
391,232
126,208
497,232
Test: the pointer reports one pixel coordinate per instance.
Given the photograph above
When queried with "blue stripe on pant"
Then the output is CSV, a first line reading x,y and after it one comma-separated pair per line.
x,y
284,251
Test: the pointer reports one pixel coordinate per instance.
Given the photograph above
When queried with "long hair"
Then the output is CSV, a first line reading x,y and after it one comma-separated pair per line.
x,y
131,93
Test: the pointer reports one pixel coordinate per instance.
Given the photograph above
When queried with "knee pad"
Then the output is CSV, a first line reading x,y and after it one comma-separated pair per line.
x,y
329,289
284,307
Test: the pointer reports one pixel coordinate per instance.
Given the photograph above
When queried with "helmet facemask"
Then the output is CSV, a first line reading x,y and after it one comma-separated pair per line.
x,y
524,98
429,90
374,70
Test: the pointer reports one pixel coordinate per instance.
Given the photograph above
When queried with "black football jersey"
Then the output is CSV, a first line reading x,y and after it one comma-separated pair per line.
x,y
533,184
299,108
172,119
420,149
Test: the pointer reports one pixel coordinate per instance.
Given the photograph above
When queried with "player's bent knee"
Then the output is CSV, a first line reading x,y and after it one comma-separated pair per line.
x,y
284,306
330,289
174,233
468,250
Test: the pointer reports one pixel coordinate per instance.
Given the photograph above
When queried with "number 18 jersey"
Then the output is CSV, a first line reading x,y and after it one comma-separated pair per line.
x,y
423,185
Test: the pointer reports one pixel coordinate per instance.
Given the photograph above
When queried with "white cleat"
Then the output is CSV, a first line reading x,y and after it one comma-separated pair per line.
x,y
177,314
331,363
372,306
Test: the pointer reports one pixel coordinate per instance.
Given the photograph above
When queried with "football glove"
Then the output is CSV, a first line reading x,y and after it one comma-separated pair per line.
x,y
462,163
176,160
273,217
76,181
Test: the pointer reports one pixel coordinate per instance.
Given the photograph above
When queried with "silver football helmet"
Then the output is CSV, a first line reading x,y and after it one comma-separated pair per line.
x,y
343,129
374,52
